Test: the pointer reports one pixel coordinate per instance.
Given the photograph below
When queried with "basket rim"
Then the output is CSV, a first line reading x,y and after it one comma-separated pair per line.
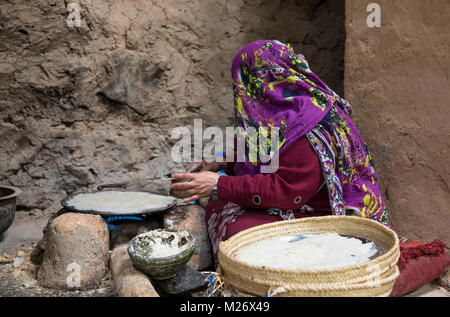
x,y
337,287
224,244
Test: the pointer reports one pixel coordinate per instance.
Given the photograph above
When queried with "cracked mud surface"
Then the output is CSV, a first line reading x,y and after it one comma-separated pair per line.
x,y
95,105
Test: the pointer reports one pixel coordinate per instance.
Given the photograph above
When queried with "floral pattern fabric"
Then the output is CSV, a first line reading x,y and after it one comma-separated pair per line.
x,y
348,168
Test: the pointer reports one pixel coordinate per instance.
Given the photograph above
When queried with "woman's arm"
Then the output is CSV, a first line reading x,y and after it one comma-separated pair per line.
x,y
298,178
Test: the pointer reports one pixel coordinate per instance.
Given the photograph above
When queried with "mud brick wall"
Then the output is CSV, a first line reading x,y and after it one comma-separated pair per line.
x,y
82,107
397,78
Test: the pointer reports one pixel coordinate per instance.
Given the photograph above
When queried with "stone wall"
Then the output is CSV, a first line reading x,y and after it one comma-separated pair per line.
x,y
397,78
82,107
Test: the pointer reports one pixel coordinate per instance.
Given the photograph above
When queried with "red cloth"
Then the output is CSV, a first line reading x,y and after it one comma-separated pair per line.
x,y
419,264
414,249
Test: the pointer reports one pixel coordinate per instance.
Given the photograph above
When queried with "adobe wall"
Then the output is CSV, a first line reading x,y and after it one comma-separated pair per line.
x,y
397,79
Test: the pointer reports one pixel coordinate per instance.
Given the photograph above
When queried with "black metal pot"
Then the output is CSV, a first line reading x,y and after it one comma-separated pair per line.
x,y
8,196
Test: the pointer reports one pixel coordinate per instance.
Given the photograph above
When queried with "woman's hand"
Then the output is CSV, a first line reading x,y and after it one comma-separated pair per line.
x,y
199,185
204,166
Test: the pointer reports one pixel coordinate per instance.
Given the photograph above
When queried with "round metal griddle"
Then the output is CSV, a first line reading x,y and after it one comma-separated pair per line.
x,y
167,202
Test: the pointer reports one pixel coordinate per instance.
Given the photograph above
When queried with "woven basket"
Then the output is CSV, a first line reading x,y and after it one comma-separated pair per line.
x,y
372,278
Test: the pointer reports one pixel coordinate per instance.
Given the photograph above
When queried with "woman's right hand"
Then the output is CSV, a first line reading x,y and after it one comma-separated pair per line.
x,y
204,166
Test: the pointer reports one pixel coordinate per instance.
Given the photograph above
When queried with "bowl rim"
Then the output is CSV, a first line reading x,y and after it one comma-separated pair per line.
x,y
158,259
16,192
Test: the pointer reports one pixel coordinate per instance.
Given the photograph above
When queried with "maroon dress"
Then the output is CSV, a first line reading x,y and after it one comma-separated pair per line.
x,y
247,201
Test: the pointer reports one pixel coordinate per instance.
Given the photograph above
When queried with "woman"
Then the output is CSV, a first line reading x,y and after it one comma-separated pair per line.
x,y
324,165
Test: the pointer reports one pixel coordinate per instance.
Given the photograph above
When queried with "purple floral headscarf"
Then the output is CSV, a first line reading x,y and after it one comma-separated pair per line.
x,y
275,88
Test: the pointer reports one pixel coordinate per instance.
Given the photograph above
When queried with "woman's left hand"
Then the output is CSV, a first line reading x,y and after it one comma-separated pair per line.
x,y
199,185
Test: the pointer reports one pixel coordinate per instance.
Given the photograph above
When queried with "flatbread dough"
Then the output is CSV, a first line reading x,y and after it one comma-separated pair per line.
x,y
316,251
119,202
160,243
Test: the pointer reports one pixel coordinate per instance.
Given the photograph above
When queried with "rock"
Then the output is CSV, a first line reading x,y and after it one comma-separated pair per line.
x,y
188,280
30,284
135,81
76,252
192,219
128,281
18,262
444,279
38,252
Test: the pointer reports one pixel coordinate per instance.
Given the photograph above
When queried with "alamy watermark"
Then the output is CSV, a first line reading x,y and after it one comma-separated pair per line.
x,y
73,280
374,18
74,17
256,145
